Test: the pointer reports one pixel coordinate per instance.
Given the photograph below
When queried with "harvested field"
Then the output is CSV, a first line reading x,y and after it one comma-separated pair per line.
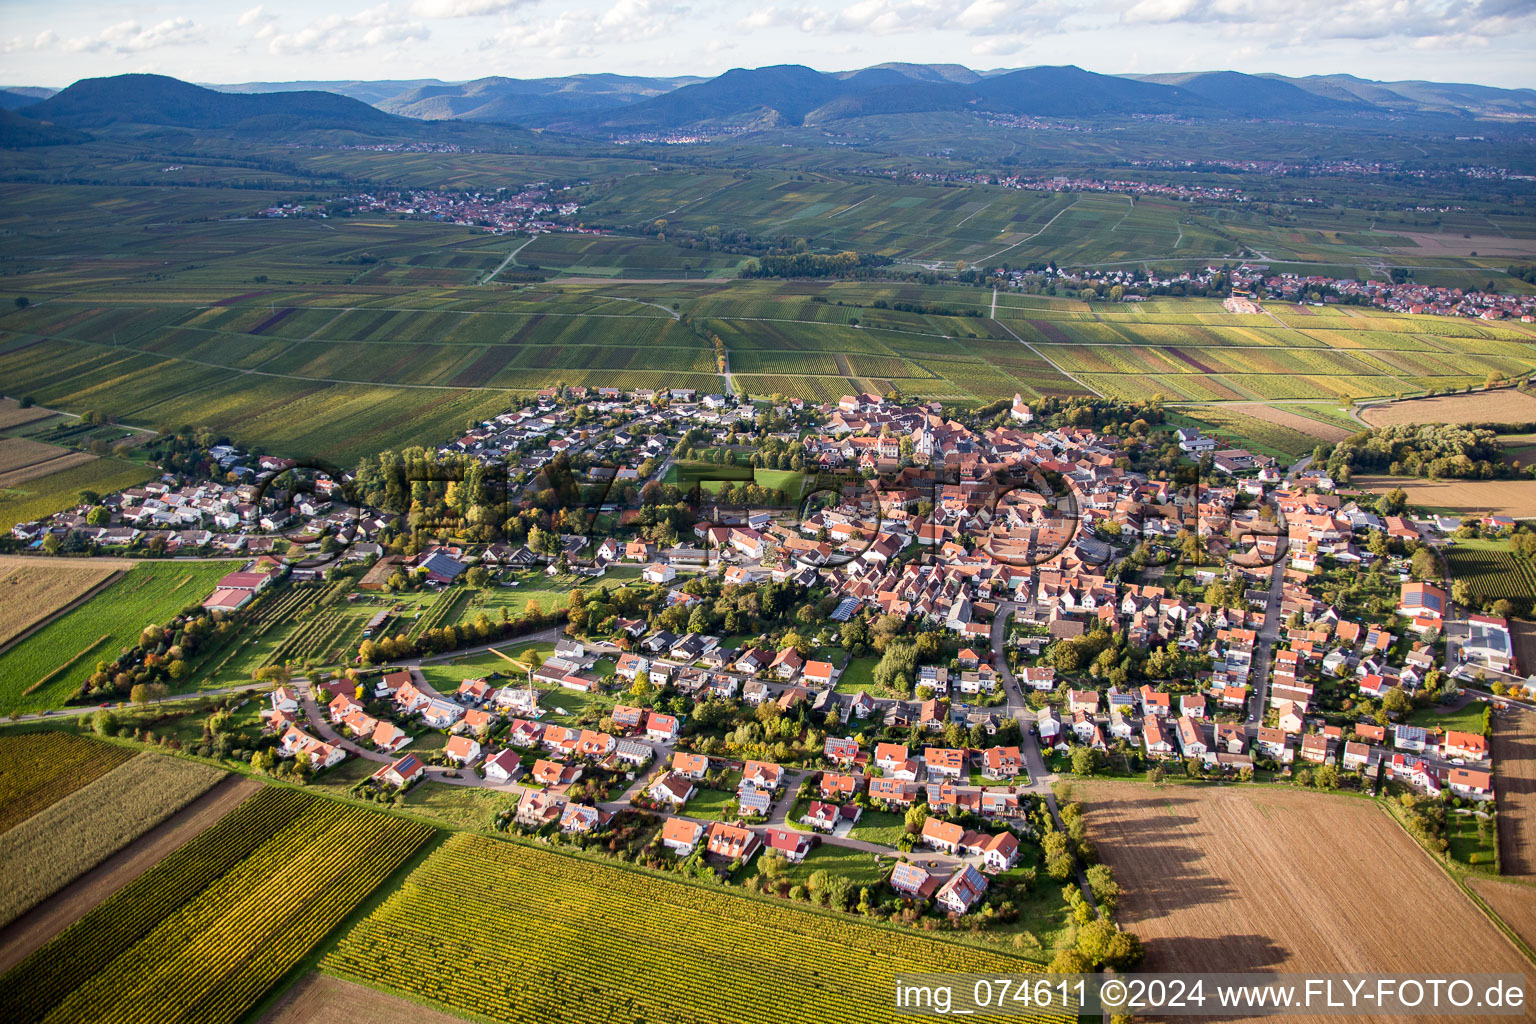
x,y
71,836
13,415
1248,879
1503,406
22,459
322,999
1514,751
34,929
1515,498
1513,902
1282,417
1456,245
32,590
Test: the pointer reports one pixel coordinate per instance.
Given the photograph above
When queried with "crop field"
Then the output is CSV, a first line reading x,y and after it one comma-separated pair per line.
x,y
40,768
1492,570
1246,879
45,669
1515,498
1513,902
507,947
22,460
205,933
75,833
32,590
615,256
1237,426
322,999
1503,406
44,495
12,415
1514,751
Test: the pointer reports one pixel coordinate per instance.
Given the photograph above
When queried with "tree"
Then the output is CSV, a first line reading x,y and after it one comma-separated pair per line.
x,y
1461,593
52,544
1101,882
1396,702
1069,961
1083,760
917,816
143,693
104,723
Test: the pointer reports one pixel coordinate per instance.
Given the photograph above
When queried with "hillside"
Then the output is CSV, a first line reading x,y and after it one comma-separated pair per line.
x,y
1255,96
97,103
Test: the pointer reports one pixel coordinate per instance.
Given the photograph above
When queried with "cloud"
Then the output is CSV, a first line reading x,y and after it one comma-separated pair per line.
x,y
132,37
898,17
351,33
1426,24
576,34
465,8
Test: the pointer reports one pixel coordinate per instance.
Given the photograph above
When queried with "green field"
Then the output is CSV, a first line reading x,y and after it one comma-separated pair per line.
x,y
148,594
1492,570
38,769
537,919
44,495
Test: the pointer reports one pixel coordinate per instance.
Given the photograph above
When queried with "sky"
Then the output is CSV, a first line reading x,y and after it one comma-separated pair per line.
x,y
1489,42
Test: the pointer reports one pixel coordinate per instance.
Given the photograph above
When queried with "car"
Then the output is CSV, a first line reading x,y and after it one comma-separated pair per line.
x,y
1458,761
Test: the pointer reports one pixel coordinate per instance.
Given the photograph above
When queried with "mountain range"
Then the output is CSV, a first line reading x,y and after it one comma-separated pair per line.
x,y
767,97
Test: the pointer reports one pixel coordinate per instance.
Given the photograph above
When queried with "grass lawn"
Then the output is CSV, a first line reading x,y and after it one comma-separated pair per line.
x,y
1466,719
1467,846
454,671
856,865
858,675
714,803
566,707
337,781
462,807
880,827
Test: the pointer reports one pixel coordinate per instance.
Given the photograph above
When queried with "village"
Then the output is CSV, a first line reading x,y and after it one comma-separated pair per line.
x,y
1019,603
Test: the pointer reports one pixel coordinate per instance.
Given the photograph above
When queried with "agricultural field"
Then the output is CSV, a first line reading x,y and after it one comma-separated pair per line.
x,y
12,415
1514,751
22,460
322,999
45,669
1492,570
1239,427
1515,903
1243,879
1515,498
41,768
619,256
1505,405
207,932
506,949
32,590
74,834
40,496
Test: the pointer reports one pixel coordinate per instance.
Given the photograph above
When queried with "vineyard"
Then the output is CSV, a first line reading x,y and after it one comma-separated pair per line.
x,y
40,768
1493,571
539,936
203,935
74,834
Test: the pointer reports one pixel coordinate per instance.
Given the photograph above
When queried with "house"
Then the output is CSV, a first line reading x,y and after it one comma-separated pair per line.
x,y
762,775
672,789
441,714
1272,743
818,673
731,841
1415,772
962,891
1470,745
1231,738
503,766
387,737
1153,737
401,773
462,750
1314,748
1357,756
689,766
913,881
660,728
1086,701
787,664
840,750
681,836
827,816
296,742
942,835
286,702
1422,601
999,852
1488,643
1470,783
539,808
1002,762
944,762
791,844
890,756
1191,737
581,818
1410,737
1288,717
893,792
553,773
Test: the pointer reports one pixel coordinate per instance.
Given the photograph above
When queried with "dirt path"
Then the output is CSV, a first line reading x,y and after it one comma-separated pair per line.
x,y
1514,751
322,999
33,930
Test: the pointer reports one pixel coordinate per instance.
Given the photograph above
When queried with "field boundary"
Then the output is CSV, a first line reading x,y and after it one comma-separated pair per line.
x,y
82,599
